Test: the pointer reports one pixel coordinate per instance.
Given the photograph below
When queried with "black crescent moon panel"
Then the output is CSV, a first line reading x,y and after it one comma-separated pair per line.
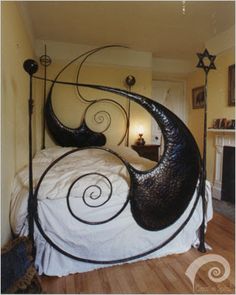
x,y
78,137
159,196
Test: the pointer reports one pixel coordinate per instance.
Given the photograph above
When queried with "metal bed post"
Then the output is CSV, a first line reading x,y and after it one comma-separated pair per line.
x,y
206,68
31,67
130,81
45,61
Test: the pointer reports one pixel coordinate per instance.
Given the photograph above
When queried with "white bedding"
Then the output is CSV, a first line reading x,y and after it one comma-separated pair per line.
x,y
117,239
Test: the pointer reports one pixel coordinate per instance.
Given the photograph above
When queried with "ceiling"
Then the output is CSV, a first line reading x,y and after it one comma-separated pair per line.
x,y
159,27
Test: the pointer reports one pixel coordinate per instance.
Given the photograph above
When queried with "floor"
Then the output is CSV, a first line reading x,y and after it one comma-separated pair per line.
x,y
225,208
164,275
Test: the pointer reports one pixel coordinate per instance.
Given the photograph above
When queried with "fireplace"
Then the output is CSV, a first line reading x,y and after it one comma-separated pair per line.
x,y
228,175
224,141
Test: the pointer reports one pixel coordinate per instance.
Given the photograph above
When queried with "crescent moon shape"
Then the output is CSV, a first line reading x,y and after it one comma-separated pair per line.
x,y
65,136
83,135
158,196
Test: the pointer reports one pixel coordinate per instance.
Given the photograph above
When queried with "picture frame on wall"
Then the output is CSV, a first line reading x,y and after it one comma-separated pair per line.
x,y
231,79
198,97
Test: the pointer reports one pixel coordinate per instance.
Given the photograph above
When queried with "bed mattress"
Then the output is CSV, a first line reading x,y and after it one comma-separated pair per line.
x,y
91,201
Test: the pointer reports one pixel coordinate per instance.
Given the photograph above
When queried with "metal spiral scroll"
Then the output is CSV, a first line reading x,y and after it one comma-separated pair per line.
x,y
99,116
83,135
93,193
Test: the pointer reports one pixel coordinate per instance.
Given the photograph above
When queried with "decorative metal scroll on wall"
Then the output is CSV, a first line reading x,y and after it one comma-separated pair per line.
x,y
157,197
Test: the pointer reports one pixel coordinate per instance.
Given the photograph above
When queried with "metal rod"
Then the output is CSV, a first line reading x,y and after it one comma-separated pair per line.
x,y
44,97
31,67
130,81
202,247
30,200
128,122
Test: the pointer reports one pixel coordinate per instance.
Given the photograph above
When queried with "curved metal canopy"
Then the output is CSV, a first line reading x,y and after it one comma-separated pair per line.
x,y
158,196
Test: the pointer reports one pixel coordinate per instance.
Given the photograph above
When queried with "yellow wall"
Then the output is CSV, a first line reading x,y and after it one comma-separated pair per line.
x,y
217,103
195,116
15,49
68,107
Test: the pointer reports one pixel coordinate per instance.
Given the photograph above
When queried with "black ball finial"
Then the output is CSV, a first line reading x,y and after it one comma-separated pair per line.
x,y
30,66
130,80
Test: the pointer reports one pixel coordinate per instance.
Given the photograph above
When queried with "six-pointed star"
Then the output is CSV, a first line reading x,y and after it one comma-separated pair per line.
x,y
201,64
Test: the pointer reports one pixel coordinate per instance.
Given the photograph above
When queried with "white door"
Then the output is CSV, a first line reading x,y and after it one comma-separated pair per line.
x,y
172,95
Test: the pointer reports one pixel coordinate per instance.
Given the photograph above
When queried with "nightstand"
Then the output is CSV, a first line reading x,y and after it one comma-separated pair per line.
x,y
149,151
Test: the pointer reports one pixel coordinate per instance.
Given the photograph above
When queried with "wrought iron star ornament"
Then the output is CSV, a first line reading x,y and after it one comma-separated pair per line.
x,y
201,63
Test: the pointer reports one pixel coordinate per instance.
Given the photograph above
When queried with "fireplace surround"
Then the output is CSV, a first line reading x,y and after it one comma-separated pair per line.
x,y
223,138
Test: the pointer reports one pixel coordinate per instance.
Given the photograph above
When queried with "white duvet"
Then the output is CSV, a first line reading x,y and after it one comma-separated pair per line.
x,y
117,239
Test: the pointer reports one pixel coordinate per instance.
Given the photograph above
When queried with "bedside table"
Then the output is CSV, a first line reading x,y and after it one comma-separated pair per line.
x,y
149,151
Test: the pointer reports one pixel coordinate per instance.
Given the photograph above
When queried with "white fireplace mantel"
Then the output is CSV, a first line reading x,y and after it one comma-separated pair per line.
x,y
221,130
221,139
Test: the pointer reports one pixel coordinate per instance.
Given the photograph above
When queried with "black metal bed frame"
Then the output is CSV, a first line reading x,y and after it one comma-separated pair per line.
x,y
159,196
